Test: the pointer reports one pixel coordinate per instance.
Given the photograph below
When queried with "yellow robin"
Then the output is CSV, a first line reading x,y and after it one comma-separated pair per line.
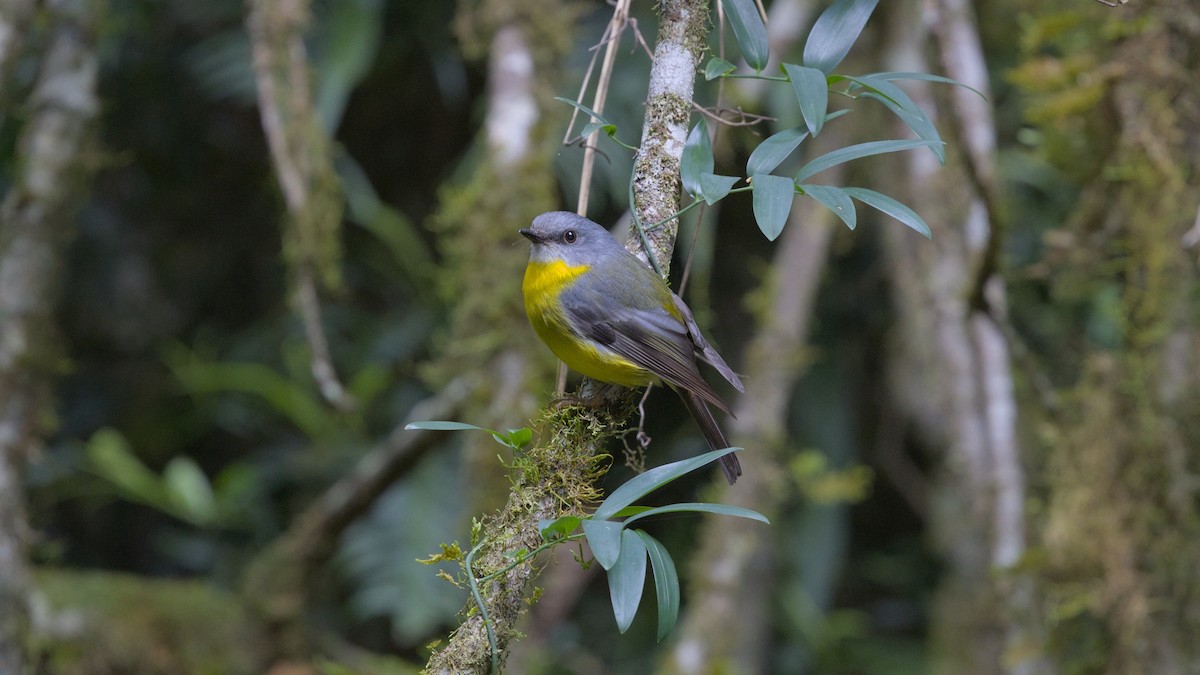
x,y
607,315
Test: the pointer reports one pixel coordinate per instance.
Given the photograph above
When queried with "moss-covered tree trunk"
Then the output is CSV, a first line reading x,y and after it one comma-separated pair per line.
x,y
1119,532
556,477
525,44
36,223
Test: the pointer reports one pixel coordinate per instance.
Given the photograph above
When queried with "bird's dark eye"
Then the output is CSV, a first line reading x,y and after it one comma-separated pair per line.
x,y
569,236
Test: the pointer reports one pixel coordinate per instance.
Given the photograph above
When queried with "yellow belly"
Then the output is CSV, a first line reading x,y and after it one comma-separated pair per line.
x,y
542,286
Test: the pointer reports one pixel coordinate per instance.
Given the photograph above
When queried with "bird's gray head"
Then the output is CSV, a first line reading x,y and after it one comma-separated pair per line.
x,y
562,235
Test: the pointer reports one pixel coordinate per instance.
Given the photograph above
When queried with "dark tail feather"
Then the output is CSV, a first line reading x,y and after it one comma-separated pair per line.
x,y
712,433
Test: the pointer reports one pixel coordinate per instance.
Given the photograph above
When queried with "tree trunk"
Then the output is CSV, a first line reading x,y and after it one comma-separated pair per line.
x,y
35,227
952,371
1120,529
559,474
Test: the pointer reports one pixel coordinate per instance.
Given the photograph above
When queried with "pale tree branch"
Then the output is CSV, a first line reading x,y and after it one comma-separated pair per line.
x,y
961,52
612,38
952,350
35,227
301,153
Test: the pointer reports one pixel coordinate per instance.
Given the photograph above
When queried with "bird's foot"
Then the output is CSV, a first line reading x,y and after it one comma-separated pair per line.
x,y
643,438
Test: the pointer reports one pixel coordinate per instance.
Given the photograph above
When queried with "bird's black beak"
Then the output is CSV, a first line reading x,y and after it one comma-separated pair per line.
x,y
529,234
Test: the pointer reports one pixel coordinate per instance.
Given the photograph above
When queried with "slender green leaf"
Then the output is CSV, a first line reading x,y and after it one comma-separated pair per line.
x,y
835,31
772,202
365,209
351,35
717,67
812,92
917,121
649,481
891,207
189,491
631,511
836,114
925,77
713,188
600,122
666,584
749,30
290,397
604,537
627,579
583,108
438,425
901,104
843,155
610,130
515,438
697,159
559,527
835,199
112,458
701,507
772,151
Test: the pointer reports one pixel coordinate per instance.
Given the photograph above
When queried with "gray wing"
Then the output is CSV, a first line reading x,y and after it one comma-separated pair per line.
x,y
703,349
654,340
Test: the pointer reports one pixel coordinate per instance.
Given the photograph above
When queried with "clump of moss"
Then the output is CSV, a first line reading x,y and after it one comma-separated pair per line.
x,y
1120,534
100,622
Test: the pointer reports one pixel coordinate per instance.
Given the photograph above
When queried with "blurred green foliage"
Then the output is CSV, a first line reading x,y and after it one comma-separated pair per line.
x,y
191,432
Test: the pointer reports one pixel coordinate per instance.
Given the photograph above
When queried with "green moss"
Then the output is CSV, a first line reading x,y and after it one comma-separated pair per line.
x,y
553,478
101,622
477,219
1120,532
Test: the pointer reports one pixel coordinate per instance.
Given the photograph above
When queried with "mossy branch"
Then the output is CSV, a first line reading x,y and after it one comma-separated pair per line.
x,y
557,477
554,478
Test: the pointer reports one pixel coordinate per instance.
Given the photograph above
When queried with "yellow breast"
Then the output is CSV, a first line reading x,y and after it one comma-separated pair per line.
x,y
543,284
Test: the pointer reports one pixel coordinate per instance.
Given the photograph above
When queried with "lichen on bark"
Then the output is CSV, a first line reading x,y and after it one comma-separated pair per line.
x,y
1120,530
677,57
55,160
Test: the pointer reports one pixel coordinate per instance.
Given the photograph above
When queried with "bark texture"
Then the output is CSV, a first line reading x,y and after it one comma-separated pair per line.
x,y
36,223
682,35
1120,525
952,370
